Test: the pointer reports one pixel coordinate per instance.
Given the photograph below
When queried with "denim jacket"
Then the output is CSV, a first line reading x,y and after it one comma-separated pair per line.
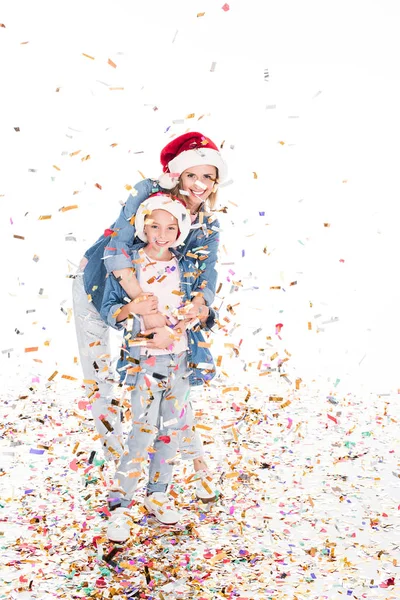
x,y
109,254
200,360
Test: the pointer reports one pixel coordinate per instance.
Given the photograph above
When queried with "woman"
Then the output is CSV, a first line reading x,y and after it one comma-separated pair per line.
x,y
192,168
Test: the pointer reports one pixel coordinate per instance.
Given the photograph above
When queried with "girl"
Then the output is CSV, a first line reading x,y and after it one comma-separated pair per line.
x,y
192,168
159,379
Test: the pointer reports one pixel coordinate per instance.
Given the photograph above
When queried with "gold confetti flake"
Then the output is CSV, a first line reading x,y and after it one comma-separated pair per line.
x,y
71,207
88,56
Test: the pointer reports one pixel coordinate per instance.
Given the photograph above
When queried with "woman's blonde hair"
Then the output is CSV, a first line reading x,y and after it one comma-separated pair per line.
x,y
211,201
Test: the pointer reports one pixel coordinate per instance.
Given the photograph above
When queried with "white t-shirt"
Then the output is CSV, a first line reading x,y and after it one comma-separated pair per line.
x,y
162,278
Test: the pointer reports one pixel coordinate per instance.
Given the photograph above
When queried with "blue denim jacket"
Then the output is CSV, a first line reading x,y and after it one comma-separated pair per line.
x,y
112,253
200,359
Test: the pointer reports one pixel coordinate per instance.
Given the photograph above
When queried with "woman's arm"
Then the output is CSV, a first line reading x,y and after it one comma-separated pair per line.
x,y
203,250
117,252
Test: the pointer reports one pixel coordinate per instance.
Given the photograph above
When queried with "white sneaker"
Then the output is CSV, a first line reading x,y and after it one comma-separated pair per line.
x,y
119,525
162,507
205,488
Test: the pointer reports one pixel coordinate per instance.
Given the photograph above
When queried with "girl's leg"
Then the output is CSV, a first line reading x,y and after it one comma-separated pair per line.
x,y
94,351
175,418
145,409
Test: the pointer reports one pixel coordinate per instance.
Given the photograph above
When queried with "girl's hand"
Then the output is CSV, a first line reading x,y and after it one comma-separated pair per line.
x,y
163,337
198,310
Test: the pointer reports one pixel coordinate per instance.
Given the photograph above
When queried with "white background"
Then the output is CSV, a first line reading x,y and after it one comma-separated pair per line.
x,y
332,97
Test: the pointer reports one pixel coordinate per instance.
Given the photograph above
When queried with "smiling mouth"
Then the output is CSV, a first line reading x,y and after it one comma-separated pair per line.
x,y
197,193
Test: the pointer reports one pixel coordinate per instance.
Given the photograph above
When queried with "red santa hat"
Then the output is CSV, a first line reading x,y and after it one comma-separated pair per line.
x,y
189,150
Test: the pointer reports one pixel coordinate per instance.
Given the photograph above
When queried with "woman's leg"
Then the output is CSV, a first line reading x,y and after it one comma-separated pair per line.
x,y
191,448
94,350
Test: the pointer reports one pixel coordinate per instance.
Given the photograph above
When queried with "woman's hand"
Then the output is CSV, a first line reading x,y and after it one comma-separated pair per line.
x,y
83,263
154,320
145,304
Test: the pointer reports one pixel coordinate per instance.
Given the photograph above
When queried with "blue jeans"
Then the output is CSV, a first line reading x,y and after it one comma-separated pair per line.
x,y
161,415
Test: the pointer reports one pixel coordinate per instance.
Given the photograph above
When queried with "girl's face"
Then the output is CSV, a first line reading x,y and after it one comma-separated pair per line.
x,y
161,229
198,182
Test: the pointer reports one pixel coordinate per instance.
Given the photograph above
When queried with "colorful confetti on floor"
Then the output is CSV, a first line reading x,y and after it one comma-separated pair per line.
x,y
309,503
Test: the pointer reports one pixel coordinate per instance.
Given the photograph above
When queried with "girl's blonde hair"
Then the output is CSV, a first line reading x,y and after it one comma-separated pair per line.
x,y
211,201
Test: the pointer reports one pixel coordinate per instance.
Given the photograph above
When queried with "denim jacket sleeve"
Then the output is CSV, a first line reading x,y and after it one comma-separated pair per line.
x,y
90,251
116,253
207,279
113,299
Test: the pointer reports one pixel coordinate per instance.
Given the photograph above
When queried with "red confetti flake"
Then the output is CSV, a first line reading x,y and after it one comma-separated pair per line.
x,y
108,232
151,361
388,582
73,465
98,186
165,438
225,7
332,418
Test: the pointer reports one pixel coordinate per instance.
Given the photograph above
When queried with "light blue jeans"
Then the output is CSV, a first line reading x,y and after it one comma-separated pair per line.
x,y
94,346
161,416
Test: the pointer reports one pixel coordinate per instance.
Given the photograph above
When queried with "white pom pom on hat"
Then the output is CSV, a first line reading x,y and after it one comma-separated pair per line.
x,y
189,150
167,203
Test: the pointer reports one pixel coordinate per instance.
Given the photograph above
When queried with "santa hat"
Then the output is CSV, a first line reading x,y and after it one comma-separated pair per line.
x,y
163,202
189,150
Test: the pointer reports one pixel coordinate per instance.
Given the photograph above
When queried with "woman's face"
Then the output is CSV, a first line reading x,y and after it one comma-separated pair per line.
x,y
198,182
